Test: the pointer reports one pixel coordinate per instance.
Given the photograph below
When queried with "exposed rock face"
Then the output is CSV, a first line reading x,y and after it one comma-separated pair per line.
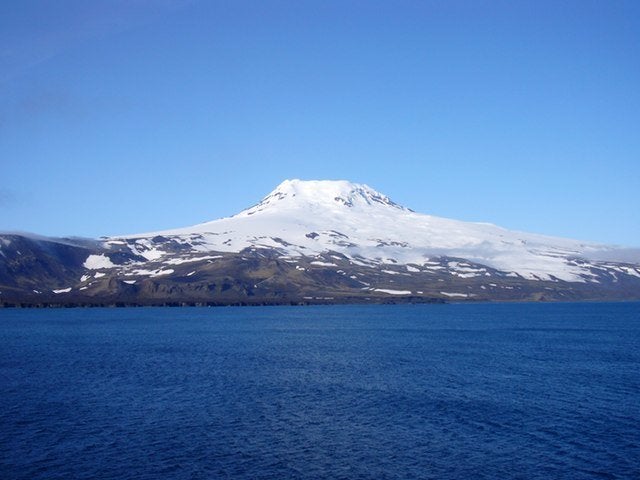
x,y
315,242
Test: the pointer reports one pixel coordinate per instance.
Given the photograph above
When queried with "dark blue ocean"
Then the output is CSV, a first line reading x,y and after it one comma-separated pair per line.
x,y
495,391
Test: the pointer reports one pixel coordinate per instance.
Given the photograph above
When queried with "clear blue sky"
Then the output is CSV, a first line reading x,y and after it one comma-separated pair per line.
x,y
120,117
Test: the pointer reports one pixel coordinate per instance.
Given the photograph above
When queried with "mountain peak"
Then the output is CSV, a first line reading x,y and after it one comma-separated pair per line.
x,y
328,193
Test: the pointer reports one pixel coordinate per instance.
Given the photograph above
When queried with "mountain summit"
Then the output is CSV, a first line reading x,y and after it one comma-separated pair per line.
x,y
314,241
331,195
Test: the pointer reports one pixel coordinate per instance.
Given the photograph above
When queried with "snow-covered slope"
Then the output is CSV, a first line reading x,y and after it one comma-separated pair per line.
x,y
308,218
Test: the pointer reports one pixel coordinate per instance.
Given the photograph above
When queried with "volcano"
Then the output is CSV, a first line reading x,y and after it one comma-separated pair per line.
x,y
316,242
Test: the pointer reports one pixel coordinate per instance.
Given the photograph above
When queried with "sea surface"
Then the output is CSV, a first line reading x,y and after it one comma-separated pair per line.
x,y
484,391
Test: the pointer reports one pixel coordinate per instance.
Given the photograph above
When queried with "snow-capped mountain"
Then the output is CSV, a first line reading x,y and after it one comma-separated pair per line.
x,y
303,218
328,240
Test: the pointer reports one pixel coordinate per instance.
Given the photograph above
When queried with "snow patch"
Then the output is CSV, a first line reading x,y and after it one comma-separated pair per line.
x,y
95,262
465,275
150,273
180,261
456,295
62,290
323,264
392,292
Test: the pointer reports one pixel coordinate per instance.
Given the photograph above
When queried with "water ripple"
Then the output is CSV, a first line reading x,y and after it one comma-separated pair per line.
x,y
387,392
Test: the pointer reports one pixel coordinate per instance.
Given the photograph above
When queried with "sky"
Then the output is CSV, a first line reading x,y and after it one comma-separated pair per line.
x,y
121,116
